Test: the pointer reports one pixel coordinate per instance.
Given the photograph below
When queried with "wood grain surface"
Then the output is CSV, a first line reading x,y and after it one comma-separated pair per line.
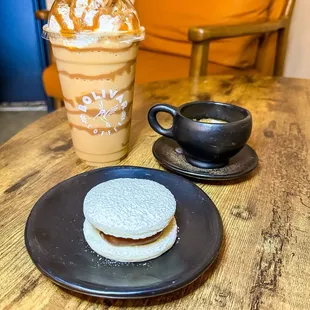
x,y
265,259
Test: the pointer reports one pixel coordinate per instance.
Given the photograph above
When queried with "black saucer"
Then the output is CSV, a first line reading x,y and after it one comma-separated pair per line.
x,y
55,240
170,156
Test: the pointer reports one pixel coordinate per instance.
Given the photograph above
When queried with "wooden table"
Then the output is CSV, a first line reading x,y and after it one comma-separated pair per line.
x,y
265,259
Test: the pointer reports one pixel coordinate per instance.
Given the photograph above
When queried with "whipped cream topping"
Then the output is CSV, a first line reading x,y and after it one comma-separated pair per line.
x,y
76,16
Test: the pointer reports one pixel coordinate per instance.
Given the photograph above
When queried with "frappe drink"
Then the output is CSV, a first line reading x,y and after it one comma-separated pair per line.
x,y
95,44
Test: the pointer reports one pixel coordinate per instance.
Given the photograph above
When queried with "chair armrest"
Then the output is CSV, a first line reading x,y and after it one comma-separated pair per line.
x,y
204,33
42,14
201,37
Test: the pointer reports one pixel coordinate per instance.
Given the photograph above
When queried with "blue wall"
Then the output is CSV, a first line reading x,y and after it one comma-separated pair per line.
x,y
22,52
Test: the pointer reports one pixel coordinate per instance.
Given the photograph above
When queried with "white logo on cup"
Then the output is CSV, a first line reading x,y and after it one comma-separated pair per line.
x,y
103,112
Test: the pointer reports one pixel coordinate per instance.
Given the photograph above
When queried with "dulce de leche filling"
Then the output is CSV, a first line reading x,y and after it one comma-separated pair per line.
x,y
126,241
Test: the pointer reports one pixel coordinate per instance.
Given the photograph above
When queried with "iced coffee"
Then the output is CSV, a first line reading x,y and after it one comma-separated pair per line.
x,y
95,44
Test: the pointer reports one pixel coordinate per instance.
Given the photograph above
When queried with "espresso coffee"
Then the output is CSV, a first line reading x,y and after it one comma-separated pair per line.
x,y
210,121
95,44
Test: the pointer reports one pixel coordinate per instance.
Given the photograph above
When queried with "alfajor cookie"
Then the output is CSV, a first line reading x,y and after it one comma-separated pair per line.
x,y
130,220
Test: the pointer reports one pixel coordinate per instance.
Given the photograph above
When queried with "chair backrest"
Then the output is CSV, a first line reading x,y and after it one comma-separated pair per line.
x,y
269,50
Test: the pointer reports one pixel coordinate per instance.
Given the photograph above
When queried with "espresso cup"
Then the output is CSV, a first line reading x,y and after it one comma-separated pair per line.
x,y
205,145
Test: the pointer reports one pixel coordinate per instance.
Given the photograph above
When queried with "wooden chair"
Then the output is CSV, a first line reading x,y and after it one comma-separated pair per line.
x,y
202,36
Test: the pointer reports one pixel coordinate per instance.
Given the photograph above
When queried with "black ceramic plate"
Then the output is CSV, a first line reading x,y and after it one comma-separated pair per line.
x,y
169,155
56,244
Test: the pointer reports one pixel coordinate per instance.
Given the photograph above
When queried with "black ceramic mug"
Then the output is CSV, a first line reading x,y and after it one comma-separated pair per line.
x,y
206,145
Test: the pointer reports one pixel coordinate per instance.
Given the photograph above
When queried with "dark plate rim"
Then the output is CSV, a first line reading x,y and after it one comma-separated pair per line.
x,y
203,177
145,293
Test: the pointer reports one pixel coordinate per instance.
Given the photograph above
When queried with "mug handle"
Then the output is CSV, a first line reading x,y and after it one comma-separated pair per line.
x,y
153,120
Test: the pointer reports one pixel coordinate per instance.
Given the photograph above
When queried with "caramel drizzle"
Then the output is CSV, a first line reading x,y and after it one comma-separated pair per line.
x,y
100,129
111,75
59,18
71,102
79,25
95,49
94,112
78,22
79,100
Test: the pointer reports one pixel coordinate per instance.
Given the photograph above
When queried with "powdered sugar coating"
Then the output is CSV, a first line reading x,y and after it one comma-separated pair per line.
x,y
129,208
138,253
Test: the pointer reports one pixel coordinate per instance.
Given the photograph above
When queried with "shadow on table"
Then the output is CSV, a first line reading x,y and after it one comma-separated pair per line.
x,y
245,178
164,299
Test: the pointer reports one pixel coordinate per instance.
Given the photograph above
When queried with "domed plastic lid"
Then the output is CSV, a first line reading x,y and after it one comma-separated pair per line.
x,y
93,17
